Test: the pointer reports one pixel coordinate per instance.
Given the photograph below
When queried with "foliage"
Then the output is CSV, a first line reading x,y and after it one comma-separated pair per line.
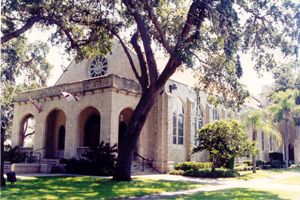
x,y
84,187
203,34
185,166
176,172
223,139
21,59
248,162
207,173
286,77
12,155
261,119
283,105
100,160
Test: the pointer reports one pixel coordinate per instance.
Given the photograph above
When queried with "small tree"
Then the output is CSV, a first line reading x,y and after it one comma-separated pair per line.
x,y
224,139
286,111
257,120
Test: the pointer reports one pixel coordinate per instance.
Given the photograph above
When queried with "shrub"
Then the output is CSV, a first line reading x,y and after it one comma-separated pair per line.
x,y
276,156
100,160
185,166
260,163
248,162
176,172
276,164
12,155
207,173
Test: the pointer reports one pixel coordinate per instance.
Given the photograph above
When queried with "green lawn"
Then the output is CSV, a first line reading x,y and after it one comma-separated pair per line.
x,y
247,175
242,193
87,188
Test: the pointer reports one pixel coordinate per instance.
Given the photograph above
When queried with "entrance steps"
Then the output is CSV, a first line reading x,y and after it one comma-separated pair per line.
x,y
140,168
55,166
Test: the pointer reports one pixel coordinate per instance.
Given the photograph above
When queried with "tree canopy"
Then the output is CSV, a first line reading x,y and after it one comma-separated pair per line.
x,y
206,35
286,76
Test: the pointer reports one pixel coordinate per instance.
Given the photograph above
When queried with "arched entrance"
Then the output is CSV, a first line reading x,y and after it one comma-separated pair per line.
x,y
61,141
55,134
27,131
291,152
89,122
124,118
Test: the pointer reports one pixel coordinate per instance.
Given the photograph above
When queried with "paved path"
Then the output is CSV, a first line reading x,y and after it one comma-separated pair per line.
x,y
221,184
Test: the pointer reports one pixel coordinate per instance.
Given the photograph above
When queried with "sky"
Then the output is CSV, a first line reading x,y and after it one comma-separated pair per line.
x,y
57,58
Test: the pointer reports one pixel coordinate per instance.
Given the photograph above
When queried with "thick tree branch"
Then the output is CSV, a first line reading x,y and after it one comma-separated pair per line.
x,y
175,60
151,62
141,58
161,35
28,134
30,22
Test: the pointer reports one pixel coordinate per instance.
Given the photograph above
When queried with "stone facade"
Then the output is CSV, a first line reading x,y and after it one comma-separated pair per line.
x,y
63,128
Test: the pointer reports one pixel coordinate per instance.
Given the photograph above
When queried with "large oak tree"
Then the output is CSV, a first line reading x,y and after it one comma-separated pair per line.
x,y
206,35
23,67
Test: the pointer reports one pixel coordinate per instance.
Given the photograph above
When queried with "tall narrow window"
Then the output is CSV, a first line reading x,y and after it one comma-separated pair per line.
x,y
198,122
262,141
180,128
174,128
215,114
178,122
271,149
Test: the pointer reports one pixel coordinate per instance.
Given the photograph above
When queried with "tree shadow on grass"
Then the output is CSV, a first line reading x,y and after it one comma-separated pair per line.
x,y
234,194
87,188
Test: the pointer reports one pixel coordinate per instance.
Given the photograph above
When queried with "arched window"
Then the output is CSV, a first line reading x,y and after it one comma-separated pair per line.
x,y
27,131
178,122
216,115
198,121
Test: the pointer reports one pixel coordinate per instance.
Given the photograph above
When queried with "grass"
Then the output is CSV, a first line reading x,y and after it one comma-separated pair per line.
x,y
242,193
87,188
247,175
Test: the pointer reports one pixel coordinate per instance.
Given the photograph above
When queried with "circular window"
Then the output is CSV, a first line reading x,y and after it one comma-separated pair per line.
x,y
98,67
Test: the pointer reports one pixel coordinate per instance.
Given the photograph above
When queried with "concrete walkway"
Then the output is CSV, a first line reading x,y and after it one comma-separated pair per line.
x,y
222,184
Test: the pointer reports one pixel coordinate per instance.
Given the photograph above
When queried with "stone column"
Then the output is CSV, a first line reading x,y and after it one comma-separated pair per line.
x,y
15,136
72,133
40,133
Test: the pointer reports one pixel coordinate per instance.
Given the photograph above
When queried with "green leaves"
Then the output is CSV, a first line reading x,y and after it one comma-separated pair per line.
x,y
223,139
283,104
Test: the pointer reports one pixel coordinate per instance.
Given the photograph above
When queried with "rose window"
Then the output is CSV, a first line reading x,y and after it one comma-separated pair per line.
x,y
98,67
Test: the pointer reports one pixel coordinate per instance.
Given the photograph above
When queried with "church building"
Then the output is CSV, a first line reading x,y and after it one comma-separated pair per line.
x,y
93,101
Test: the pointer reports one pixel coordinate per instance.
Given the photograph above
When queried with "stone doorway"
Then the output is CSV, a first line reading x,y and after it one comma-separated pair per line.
x,y
124,118
55,133
291,152
89,127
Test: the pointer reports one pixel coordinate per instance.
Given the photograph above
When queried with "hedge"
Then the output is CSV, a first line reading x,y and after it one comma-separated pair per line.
x,y
186,166
207,173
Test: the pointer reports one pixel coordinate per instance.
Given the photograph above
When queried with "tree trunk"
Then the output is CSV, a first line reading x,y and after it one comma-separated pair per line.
x,y
129,141
286,142
3,184
254,137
